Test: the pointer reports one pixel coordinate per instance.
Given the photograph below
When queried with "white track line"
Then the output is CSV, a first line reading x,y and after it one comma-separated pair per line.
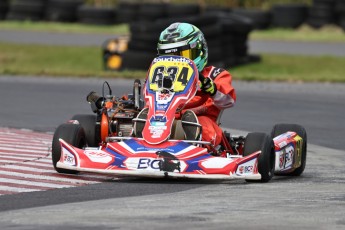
x,y
26,164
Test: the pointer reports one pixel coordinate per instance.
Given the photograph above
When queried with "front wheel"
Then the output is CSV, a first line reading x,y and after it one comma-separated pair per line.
x,y
264,143
91,129
71,133
283,128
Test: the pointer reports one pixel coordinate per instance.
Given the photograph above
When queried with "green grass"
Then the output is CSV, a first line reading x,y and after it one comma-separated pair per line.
x,y
120,29
303,33
18,59
293,68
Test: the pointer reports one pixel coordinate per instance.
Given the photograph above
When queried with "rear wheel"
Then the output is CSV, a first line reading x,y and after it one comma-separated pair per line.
x,y
71,133
264,143
88,122
283,128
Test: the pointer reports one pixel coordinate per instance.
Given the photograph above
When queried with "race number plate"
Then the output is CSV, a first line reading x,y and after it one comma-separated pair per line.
x,y
178,69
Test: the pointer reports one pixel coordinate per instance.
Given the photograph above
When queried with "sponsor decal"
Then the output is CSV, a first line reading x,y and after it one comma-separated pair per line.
x,y
172,59
216,72
162,107
98,156
289,156
282,144
246,168
281,160
163,96
145,163
68,158
154,164
285,158
157,131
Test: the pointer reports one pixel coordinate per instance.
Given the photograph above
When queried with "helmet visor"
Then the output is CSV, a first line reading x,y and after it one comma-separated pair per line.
x,y
185,51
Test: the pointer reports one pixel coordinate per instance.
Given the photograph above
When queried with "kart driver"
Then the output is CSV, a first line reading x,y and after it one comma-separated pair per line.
x,y
184,39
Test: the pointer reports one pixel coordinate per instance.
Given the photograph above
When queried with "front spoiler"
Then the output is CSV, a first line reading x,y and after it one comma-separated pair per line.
x,y
159,174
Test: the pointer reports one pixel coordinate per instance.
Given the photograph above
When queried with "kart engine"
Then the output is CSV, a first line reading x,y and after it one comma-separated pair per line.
x,y
120,123
120,111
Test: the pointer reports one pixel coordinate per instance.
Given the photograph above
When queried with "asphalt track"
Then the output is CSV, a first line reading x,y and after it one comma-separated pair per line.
x,y
315,200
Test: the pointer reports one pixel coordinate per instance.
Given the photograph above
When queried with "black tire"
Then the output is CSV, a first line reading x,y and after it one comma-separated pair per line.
x,y
96,15
138,60
283,128
261,19
342,22
127,12
261,141
236,24
212,32
289,15
340,7
152,11
91,129
145,27
175,10
3,9
215,54
71,133
62,10
26,10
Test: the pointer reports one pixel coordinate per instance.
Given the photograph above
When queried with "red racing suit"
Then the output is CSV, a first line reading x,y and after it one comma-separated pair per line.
x,y
209,111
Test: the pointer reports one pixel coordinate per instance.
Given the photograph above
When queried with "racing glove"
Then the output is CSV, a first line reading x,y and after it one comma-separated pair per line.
x,y
207,85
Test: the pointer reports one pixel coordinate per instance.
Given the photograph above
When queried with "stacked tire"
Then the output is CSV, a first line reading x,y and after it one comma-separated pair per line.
x,y
235,31
226,35
63,10
289,15
142,46
340,12
3,9
96,15
26,10
127,12
321,13
261,19
151,20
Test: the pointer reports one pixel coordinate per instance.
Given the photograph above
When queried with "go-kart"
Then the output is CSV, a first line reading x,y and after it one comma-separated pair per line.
x,y
105,143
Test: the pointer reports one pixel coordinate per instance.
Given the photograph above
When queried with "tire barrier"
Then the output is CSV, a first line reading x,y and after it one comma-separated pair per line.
x,y
226,34
62,10
340,13
26,10
96,15
261,19
289,15
3,9
321,13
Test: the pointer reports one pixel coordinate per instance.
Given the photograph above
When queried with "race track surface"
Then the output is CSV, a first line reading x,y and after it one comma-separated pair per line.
x,y
313,201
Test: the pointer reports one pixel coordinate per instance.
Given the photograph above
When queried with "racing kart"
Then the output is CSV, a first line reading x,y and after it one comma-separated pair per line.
x,y
105,143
